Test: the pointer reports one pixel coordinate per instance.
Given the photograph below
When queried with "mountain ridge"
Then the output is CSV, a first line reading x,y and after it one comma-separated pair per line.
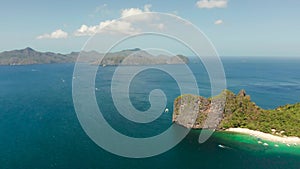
x,y
134,56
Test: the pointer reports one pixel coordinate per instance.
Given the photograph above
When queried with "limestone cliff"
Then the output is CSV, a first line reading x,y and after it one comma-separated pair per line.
x,y
229,110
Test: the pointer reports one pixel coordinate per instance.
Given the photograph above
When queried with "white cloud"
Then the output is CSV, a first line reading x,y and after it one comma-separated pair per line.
x,y
101,11
108,26
124,26
58,34
218,22
130,11
135,11
86,30
160,26
212,4
147,7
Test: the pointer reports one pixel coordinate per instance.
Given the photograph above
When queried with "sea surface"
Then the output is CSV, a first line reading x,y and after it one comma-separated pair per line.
x,y
39,128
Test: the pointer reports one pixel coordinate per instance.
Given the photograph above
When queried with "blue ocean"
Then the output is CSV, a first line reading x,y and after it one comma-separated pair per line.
x,y
39,128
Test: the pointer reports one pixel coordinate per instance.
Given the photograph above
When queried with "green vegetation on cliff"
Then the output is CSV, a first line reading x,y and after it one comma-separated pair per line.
x,y
240,111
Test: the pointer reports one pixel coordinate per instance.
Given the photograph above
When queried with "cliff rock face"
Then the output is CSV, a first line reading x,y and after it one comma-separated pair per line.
x,y
187,108
228,110
198,112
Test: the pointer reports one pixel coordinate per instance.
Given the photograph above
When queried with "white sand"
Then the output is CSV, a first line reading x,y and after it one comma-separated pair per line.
x,y
266,136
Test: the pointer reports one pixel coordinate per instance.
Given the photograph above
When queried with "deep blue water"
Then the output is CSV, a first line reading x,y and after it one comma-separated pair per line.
x,y
39,127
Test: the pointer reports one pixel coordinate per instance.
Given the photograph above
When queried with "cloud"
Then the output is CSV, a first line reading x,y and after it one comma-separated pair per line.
x,y
135,11
57,34
86,30
101,11
124,26
130,11
218,22
160,26
147,7
212,4
108,26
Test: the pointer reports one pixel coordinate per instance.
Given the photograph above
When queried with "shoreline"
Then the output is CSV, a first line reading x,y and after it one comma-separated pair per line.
x,y
266,136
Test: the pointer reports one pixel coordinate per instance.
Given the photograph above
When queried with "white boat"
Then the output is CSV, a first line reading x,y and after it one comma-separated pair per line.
x,y
221,146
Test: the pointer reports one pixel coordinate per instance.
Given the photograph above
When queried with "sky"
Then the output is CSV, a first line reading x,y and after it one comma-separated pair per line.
x,y
234,27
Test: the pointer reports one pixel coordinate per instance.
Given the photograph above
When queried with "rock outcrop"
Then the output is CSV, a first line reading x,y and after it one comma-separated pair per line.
x,y
197,112
228,110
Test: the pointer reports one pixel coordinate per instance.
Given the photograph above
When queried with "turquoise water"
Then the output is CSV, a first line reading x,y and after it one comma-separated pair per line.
x,y
39,127
254,145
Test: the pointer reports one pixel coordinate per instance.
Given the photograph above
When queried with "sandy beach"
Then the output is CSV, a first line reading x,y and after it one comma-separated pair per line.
x,y
266,136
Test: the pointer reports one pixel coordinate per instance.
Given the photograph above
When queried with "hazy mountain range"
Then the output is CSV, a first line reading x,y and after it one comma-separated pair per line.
x,y
124,57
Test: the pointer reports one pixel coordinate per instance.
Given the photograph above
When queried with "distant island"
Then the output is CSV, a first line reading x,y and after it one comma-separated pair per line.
x,y
240,115
125,57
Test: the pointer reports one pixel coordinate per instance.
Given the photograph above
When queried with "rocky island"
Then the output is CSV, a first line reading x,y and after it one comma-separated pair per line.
x,y
125,57
239,114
